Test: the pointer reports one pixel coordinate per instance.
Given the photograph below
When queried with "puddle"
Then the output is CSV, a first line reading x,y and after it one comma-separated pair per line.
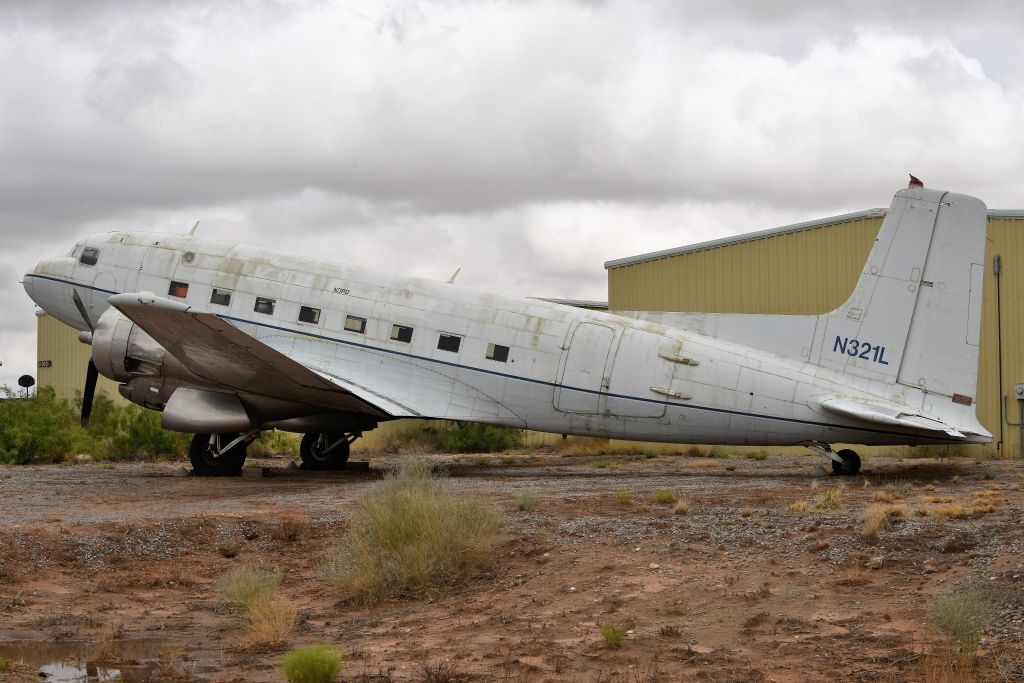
x,y
130,661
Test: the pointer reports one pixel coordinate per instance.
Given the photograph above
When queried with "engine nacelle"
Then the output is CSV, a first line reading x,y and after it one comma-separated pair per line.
x,y
123,352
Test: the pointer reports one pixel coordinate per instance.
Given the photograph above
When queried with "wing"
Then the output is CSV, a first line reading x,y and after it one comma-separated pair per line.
x,y
887,416
350,378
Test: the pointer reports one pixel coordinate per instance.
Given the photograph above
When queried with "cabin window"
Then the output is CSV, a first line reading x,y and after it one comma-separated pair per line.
x,y
401,333
89,257
178,289
221,297
354,324
309,315
449,342
264,305
497,352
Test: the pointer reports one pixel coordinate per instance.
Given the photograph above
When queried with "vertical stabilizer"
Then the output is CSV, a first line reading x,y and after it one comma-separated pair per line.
x,y
915,315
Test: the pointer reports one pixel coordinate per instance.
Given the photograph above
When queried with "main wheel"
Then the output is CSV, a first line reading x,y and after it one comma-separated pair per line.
x,y
850,463
315,453
207,461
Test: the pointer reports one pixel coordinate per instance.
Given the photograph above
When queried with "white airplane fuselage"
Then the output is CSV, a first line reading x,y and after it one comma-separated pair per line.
x,y
566,370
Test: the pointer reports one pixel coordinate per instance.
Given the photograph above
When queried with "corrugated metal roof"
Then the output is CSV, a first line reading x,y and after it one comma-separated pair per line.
x,y
773,232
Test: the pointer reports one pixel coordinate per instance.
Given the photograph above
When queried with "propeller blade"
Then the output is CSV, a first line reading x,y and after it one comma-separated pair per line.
x,y
81,309
90,390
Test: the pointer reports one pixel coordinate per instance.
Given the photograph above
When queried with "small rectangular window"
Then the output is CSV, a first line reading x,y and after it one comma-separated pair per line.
x,y
221,297
449,342
309,315
497,352
178,289
264,305
354,324
401,333
89,257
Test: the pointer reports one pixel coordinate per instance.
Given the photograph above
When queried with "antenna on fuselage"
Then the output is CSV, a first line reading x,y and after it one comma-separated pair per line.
x,y
193,230
451,280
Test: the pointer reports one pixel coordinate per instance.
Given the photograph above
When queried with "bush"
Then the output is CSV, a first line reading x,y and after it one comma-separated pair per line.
x,y
313,664
41,428
128,431
664,497
472,437
271,619
412,536
879,517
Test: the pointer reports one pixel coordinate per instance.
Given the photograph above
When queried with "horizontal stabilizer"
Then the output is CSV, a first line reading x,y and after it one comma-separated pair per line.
x,y
887,416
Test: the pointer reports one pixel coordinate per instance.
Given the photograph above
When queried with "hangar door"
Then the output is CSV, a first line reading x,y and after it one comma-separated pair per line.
x,y
583,374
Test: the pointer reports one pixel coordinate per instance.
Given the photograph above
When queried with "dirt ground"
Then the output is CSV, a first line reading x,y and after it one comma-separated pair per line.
x,y
107,572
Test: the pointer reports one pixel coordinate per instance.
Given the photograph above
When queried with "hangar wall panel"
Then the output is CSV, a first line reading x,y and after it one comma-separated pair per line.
x,y
58,345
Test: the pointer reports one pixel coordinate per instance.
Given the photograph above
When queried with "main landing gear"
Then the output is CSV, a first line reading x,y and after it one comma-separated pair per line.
x,y
325,451
845,462
219,455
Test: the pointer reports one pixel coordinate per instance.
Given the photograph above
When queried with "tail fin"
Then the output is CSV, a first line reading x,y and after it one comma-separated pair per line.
x,y
914,317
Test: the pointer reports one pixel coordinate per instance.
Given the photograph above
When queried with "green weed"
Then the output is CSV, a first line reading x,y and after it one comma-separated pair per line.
x,y
964,615
613,636
526,501
313,664
664,497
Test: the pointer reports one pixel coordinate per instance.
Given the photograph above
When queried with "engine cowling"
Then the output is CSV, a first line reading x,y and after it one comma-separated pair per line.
x,y
123,352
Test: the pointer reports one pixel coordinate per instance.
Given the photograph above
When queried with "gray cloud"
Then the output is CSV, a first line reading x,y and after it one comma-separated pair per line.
x,y
524,141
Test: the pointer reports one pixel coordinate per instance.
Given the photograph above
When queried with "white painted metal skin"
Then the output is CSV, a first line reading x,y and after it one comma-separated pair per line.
x,y
896,364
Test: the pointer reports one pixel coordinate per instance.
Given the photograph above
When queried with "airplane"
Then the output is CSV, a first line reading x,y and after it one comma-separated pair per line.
x,y
229,340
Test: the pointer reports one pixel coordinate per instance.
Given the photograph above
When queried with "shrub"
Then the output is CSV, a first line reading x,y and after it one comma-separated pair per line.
x,y
128,431
717,452
730,468
681,508
613,636
759,456
412,536
41,428
248,585
602,463
650,453
273,442
964,615
526,501
313,664
664,497
472,437
624,497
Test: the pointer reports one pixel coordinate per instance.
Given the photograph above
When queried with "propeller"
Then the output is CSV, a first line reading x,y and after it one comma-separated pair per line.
x,y
91,373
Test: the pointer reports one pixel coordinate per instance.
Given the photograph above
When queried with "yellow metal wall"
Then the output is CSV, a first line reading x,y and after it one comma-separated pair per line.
x,y
58,343
813,271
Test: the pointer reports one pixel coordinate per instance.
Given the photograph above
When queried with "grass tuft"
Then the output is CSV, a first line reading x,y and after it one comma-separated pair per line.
x,y
830,499
245,586
879,517
613,636
964,615
949,511
271,619
664,497
526,501
898,487
313,664
799,506
412,536
624,497
681,508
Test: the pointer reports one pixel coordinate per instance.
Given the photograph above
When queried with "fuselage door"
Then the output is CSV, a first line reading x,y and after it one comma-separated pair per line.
x,y
154,271
583,380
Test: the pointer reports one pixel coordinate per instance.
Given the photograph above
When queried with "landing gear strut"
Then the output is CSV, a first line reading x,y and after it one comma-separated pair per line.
x,y
845,462
218,455
325,451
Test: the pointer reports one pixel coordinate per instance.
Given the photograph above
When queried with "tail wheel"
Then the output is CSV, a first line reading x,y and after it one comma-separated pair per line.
x,y
850,463
217,455
324,451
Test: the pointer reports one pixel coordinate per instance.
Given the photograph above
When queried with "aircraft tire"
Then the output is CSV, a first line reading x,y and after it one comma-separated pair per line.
x,y
206,463
313,457
850,464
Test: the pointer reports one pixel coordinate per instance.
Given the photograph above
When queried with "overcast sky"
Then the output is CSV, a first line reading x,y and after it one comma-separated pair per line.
x,y
525,142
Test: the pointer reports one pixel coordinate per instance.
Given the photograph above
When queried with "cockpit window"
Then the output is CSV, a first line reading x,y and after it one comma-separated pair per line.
x,y
89,257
